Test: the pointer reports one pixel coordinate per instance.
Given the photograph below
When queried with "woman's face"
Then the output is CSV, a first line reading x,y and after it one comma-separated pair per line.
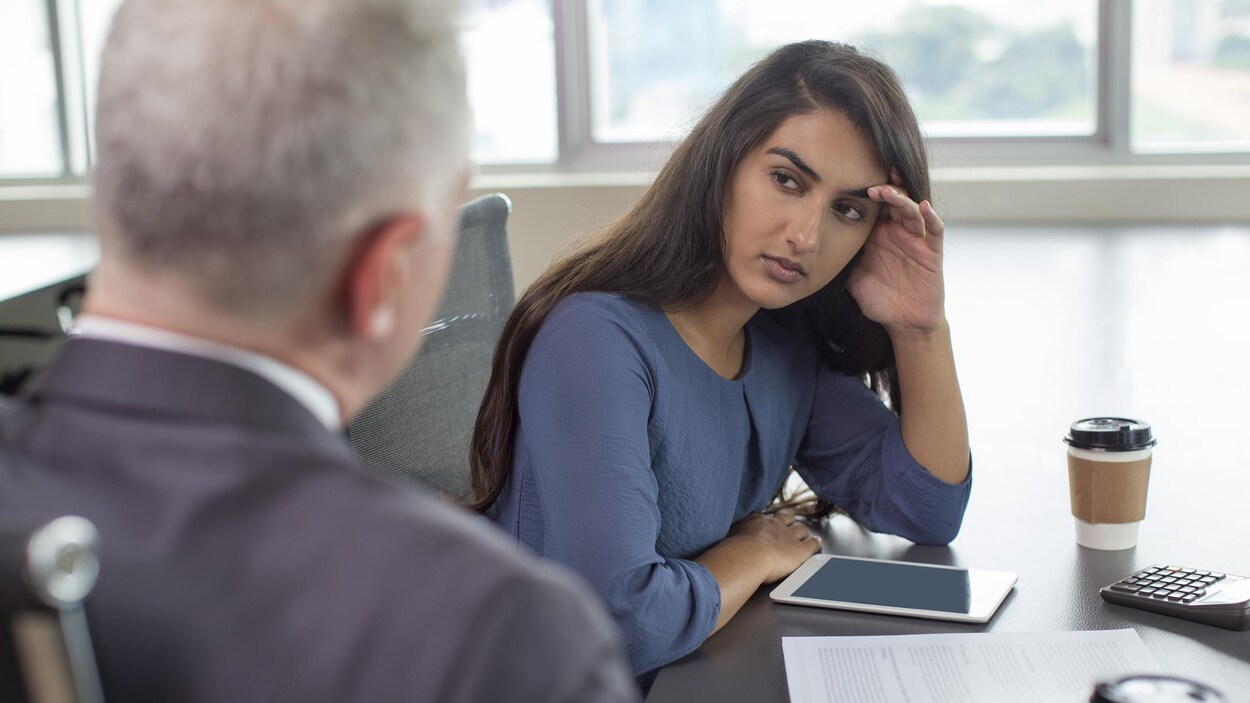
x,y
797,209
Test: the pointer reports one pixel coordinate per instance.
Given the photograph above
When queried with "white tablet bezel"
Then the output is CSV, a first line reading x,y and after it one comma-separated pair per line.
x,y
988,590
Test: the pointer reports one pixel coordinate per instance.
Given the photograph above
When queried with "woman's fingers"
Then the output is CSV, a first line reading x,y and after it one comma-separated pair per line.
x,y
812,541
933,223
901,209
801,532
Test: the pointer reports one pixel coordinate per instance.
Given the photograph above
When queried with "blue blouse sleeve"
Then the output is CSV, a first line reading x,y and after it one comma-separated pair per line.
x,y
853,456
589,495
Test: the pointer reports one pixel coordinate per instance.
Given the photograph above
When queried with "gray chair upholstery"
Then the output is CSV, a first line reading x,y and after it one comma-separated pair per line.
x,y
46,653
418,429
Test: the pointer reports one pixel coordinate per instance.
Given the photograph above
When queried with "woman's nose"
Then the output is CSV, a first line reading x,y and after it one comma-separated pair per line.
x,y
804,231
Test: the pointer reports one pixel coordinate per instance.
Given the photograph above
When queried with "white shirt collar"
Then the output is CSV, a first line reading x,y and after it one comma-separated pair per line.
x,y
304,388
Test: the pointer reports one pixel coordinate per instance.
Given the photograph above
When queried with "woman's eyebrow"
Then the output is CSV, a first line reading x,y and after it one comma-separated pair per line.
x,y
801,165
795,159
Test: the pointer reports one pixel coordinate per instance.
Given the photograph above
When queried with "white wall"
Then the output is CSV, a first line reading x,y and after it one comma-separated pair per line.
x,y
551,210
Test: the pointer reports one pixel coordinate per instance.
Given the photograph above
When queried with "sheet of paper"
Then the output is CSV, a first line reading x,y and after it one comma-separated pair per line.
x,y
981,667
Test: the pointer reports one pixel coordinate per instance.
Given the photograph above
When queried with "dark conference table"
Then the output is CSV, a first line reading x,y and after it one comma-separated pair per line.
x,y
1053,324
1017,521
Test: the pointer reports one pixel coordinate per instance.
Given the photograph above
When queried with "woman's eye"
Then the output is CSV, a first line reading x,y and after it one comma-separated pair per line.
x,y
848,211
785,180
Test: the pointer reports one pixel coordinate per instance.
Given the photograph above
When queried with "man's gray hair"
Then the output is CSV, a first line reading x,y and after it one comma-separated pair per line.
x,y
243,144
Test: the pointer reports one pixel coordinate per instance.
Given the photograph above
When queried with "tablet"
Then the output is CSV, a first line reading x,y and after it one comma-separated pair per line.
x,y
896,588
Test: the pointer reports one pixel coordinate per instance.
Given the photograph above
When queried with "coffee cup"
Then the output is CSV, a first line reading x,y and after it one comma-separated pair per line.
x,y
1108,475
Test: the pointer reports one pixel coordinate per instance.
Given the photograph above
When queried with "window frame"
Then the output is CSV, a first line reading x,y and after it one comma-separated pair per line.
x,y
579,153
1109,145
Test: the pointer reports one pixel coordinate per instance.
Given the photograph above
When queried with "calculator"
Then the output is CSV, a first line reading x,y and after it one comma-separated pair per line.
x,y
1208,597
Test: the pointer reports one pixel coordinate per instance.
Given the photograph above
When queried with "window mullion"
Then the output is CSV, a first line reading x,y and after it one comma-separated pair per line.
x,y
572,80
65,41
58,77
1115,89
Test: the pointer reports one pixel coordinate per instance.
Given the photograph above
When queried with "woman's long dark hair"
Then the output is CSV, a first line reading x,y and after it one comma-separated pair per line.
x,y
669,248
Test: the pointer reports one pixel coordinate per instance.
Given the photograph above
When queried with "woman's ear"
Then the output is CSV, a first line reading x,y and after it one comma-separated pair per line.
x,y
376,279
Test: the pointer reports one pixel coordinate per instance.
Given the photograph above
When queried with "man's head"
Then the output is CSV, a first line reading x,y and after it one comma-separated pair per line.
x,y
283,165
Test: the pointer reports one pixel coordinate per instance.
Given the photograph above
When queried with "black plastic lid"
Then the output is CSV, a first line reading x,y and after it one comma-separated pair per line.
x,y
1116,434
1155,689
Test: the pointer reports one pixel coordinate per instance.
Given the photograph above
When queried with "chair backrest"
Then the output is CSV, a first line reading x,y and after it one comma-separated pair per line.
x,y
418,429
46,570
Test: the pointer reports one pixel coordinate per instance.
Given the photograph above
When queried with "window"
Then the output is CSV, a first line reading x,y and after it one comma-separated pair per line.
x,y
610,84
30,138
509,48
1191,76
976,68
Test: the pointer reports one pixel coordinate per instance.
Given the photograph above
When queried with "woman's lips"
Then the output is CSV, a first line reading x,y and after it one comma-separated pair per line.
x,y
783,271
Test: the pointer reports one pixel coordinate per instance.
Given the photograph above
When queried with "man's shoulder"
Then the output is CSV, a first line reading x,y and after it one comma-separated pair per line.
x,y
404,513
454,545
516,628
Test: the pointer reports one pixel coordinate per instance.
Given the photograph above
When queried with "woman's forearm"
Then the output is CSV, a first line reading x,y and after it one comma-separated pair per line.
x,y
760,549
934,424
740,568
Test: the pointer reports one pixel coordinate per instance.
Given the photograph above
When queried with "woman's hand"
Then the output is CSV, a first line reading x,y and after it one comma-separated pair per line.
x,y
784,541
759,549
898,282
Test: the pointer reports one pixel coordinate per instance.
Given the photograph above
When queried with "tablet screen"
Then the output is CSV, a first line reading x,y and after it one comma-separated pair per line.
x,y
890,584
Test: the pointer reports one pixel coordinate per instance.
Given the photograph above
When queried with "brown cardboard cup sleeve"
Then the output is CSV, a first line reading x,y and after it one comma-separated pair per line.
x,y
1108,491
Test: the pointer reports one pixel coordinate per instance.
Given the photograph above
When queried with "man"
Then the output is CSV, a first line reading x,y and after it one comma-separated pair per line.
x,y
275,201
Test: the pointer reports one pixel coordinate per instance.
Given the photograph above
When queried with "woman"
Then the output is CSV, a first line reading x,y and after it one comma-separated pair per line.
x,y
651,389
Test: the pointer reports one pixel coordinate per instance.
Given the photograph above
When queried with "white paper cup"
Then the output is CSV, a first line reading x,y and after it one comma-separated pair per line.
x,y
1108,536
1109,474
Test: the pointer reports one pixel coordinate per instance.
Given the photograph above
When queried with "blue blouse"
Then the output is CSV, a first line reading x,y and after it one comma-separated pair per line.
x,y
633,457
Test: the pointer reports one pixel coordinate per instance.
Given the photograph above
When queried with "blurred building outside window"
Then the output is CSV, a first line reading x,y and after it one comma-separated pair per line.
x,y
974,69
30,143
1191,76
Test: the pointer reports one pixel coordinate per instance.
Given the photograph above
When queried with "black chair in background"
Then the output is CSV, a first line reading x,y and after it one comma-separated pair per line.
x,y
68,300
46,570
418,429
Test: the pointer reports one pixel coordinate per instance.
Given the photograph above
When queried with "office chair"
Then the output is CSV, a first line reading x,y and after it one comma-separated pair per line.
x,y
418,429
67,303
46,570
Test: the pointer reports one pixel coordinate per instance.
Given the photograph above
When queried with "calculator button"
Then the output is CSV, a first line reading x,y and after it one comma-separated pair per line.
x,y
1127,588
1189,598
1146,591
1161,595
1188,589
1169,580
1175,597
1200,572
1217,576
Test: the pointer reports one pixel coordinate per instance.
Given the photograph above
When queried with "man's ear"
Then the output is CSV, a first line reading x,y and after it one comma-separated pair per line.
x,y
377,277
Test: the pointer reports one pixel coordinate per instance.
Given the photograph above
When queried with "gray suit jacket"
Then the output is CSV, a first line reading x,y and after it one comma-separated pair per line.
x,y
246,557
